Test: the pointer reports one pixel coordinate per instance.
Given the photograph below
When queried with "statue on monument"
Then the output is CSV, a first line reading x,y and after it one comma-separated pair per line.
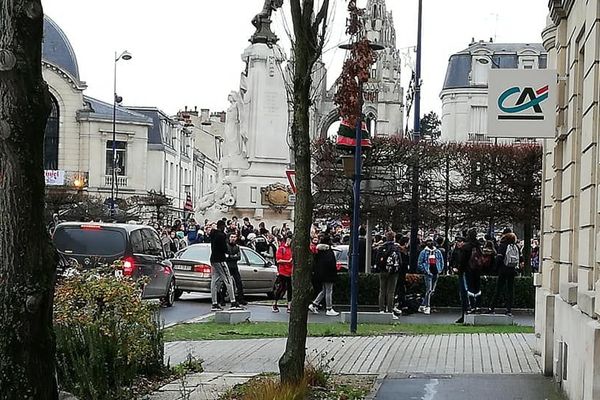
x,y
262,23
235,138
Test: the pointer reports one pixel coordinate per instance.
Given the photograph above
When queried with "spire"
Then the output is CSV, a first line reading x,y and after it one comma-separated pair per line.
x,y
379,24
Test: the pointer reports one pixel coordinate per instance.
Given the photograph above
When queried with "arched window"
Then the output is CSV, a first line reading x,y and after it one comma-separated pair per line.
x,y
51,138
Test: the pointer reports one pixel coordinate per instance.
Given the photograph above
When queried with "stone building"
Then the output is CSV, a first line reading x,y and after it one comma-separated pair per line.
x,y
384,95
566,308
465,92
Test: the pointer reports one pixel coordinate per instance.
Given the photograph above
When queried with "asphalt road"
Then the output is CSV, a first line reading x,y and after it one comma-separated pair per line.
x,y
461,387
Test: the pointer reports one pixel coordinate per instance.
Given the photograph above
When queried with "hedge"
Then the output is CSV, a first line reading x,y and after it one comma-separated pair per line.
x,y
446,293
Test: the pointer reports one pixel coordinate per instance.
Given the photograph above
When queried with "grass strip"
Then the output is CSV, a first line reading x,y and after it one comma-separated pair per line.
x,y
259,330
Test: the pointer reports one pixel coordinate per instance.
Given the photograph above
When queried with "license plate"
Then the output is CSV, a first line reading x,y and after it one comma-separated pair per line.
x,y
182,267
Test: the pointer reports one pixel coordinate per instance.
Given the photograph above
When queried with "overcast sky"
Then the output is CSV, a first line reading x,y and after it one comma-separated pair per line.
x,y
187,52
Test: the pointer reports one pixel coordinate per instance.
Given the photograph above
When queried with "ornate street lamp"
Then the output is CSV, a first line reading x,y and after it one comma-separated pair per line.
x,y
126,56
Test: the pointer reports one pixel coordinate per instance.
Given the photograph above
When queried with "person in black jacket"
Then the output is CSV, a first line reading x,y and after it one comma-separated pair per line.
x,y
458,267
473,273
234,255
506,273
403,246
326,273
362,250
220,271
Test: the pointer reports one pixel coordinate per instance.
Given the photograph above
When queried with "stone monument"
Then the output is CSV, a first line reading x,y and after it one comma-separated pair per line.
x,y
256,152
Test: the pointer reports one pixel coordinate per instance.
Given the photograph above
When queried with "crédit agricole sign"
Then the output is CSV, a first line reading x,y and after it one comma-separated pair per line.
x,y
522,103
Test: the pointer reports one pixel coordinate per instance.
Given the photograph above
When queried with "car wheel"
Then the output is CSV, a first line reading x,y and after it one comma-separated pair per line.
x,y
178,294
169,299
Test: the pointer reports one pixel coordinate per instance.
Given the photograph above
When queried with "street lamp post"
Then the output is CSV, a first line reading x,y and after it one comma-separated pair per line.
x,y
126,56
414,209
354,257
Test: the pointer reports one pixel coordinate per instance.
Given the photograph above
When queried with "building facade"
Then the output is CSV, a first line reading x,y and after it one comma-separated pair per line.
x,y
566,307
155,152
465,92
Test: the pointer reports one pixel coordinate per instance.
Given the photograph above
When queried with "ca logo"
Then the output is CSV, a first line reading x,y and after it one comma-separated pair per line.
x,y
528,98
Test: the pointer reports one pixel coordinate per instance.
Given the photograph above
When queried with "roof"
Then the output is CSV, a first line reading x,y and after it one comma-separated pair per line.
x,y
57,50
155,115
126,227
506,55
97,109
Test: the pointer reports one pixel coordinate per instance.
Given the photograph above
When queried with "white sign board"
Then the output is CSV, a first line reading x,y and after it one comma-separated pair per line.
x,y
522,103
54,178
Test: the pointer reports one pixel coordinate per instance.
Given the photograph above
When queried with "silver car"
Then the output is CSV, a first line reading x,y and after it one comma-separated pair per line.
x,y
193,271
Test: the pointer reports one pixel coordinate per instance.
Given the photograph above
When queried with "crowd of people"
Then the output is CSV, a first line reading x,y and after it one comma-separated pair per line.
x,y
469,257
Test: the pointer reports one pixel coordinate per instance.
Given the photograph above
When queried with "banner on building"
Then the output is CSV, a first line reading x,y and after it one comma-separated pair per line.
x,y
54,177
522,103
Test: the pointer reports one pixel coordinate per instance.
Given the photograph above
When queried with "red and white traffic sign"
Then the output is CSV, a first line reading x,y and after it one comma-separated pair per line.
x,y
291,175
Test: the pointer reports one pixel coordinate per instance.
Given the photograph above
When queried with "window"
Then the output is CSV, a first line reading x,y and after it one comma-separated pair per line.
x,y
479,74
253,258
121,158
478,120
51,138
90,242
137,243
172,180
166,175
152,244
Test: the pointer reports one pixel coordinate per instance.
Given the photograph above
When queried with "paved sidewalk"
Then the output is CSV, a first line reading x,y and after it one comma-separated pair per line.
x,y
202,386
437,354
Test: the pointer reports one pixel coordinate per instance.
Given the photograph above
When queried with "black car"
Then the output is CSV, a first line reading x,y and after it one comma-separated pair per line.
x,y
139,247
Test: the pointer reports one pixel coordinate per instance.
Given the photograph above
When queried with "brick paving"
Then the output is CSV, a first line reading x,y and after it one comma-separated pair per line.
x,y
430,354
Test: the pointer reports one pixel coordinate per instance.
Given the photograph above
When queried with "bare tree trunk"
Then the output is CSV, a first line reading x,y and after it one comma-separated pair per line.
x,y
308,43
27,266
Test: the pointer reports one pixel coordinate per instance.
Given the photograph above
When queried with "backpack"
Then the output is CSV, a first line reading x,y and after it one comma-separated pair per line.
x,y
478,261
512,256
388,259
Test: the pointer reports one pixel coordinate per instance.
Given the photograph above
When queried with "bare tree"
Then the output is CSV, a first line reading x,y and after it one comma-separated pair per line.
x,y
309,28
27,264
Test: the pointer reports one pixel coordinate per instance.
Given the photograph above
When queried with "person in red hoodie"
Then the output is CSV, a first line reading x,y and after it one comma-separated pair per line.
x,y
285,268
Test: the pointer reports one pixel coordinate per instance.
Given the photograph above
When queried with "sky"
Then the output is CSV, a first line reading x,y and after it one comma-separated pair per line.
x,y
188,52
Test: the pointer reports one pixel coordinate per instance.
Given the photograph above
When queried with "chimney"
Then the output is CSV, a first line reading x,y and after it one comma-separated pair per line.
x,y
204,114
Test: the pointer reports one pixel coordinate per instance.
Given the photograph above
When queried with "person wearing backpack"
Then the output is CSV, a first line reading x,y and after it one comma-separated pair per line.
x,y
474,263
431,265
387,263
507,261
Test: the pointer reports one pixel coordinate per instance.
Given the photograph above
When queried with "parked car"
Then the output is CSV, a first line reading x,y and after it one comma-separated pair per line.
x,y
93,244
341,256
193,271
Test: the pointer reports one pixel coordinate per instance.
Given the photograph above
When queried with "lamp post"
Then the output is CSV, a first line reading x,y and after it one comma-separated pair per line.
x,y
354,258
126,56
414,209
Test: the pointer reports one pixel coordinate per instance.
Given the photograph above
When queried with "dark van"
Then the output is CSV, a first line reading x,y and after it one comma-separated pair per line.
x,y
139,246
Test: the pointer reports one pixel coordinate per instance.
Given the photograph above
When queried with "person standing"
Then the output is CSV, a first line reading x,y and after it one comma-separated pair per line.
x,y
362,250
247,229
387,264
192,232
461,270
508,261
233,256
400,297
285,269
326,273
430,264
220,270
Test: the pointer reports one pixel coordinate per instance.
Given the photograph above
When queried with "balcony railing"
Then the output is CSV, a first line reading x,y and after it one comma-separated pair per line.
x,y
122,181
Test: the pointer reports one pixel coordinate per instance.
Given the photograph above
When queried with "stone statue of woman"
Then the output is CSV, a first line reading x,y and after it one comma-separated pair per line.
x,y
233,137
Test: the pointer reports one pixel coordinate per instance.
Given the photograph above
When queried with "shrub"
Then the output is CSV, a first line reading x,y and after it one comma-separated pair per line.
x,y
446,292
106,336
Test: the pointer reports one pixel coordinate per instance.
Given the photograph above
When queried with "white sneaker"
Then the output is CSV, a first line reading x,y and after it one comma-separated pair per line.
x,y
332,313
313,309
397,311
394,316
427,311
381,312
422,308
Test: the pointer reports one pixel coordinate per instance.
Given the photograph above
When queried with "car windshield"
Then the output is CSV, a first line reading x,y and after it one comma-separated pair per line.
x,y
200,253
93,242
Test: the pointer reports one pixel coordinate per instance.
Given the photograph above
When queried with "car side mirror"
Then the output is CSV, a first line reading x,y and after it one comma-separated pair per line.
x,y
268,264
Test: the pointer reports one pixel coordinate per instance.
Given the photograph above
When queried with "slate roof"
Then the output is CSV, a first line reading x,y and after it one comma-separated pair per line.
x,y
503,54
154,114
57,50
99,110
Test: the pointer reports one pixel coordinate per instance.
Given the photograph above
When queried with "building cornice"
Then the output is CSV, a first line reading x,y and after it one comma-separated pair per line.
x,y
559,9
73,82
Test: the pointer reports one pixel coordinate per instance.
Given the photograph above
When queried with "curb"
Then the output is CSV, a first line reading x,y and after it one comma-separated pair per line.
x,y
190,321
376,386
